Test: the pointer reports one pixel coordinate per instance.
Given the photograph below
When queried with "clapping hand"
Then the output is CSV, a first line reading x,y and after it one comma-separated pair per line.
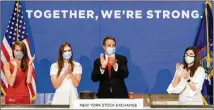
x,y
103,61
186,74
31,60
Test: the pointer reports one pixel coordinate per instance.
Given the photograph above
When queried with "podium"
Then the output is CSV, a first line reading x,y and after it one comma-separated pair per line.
x,y
62,107
108,104
149,101
183,106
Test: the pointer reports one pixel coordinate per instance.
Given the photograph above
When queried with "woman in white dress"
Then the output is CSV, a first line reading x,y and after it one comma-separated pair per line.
x,y
65,77
188,79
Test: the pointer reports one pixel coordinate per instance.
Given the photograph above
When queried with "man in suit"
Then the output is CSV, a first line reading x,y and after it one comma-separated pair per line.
x,y
110,70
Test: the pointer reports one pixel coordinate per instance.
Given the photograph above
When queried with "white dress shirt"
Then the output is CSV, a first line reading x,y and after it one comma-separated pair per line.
x,y
186,95
106,58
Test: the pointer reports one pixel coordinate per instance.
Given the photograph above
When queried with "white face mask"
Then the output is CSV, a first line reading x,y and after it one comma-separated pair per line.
x,y
67,55
18,55
110,50
189,59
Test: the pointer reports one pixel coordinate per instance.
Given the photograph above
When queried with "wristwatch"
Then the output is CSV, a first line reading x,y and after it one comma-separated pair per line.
x,y
188,80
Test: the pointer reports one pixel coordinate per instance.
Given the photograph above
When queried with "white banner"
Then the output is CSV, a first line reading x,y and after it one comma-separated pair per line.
x,y
108,104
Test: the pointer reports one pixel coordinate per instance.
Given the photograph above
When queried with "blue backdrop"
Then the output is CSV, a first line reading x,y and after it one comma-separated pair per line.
x,y
152,46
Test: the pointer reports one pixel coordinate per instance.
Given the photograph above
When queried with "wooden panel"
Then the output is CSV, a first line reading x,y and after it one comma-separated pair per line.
x,y
148,98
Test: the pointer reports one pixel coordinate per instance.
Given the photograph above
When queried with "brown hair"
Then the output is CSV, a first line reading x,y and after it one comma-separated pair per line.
x,y
60,58
24,61
108,37
197,61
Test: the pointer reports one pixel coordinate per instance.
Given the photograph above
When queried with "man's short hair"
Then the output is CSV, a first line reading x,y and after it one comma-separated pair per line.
x,y
108,37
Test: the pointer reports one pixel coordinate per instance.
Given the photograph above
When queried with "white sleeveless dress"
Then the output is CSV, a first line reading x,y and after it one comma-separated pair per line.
x,y
66,94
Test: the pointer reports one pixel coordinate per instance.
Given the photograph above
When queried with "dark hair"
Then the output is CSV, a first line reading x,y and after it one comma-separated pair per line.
x,y
197,61
60,58
108,37
24,61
